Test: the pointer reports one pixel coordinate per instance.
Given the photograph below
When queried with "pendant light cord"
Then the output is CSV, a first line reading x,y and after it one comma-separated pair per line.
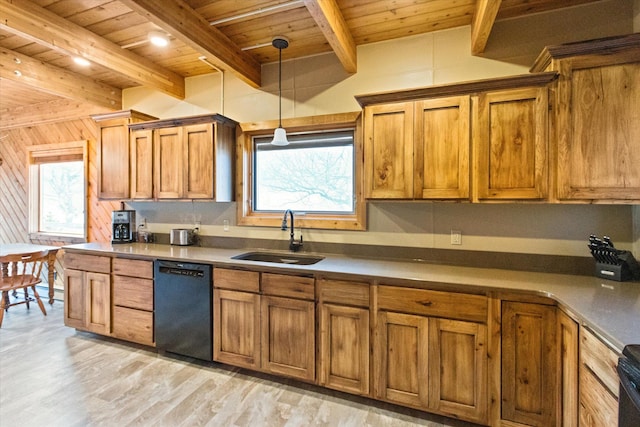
x,y
280,86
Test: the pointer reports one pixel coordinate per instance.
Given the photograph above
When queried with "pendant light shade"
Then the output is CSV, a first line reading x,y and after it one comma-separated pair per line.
x,y
280,135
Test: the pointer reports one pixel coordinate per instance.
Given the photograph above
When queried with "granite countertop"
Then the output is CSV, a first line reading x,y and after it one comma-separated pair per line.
x,y
611,309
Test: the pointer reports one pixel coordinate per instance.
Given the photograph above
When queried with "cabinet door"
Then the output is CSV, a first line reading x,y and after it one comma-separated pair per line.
x,y
169,161
98,302
401,359
344,348
288,337
141,143
113,159
74,299
529,364
236,328
198,155
458,369
510,144
442,140
598,130
568,343
388,151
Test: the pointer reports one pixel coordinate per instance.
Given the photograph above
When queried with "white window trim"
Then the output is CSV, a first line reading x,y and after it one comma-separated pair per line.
x,y
244,191
35,152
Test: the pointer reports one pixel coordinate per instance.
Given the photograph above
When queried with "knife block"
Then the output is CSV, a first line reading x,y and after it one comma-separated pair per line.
x,y
626,268
618,272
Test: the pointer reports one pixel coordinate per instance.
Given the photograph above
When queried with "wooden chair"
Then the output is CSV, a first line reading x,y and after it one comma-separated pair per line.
x,y
21,271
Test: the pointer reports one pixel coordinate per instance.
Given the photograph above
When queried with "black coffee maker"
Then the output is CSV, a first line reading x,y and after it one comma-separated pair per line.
x,y
123,223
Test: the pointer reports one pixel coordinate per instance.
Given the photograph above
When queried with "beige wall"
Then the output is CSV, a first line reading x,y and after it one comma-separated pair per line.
x,y
318,85
636,16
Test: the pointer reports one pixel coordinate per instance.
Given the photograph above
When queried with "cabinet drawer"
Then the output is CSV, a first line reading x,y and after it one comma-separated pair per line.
x,y
344,292
133,292
239,280
288,286
449,305
598,407
133,267
95,263
602,361
133,325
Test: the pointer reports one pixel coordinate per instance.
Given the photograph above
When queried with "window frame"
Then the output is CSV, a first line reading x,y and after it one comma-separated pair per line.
x,y
245,169
53,153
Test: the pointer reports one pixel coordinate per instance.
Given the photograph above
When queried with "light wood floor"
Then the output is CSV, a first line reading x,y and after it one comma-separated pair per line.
x,y
51,375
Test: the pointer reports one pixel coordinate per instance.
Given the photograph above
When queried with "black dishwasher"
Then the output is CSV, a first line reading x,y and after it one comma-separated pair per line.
x,y
182,297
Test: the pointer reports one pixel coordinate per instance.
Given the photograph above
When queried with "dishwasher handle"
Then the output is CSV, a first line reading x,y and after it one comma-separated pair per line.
x,y
177,271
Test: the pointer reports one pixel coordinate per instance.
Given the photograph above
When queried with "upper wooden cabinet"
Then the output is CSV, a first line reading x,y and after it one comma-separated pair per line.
x,y
597,119
510,144
388,166
420,148
192,158
441,152
113,152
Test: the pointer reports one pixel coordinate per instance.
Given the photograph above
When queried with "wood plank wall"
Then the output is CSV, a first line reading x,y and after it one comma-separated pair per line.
x,y
14,179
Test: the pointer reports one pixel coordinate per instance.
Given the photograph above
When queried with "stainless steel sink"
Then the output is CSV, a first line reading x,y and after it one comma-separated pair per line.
x,y
279,258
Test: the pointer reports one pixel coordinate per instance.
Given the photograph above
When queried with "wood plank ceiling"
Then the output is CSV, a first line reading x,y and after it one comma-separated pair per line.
x,y
40,38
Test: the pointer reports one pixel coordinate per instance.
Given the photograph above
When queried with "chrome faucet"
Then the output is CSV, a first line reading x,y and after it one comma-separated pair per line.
x,y
294,245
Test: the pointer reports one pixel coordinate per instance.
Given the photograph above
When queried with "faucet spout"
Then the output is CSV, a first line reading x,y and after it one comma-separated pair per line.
x,y
294,245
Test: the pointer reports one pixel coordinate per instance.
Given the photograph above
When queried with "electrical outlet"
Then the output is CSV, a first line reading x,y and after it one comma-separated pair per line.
x,y
225,225
456,237
197,225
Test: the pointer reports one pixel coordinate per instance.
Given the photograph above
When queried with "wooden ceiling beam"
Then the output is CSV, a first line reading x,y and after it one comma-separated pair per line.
x,y
57,81
327,15
43,27
483,20
181,21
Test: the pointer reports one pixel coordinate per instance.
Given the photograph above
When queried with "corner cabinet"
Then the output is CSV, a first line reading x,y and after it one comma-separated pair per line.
x,y
186,158
421,148
113,152
597,120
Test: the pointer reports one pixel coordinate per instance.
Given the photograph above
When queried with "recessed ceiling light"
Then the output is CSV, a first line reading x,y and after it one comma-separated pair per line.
x,y
81,61
158,39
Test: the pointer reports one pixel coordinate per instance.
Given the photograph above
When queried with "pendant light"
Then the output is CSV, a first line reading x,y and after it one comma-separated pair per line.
x,y
280,135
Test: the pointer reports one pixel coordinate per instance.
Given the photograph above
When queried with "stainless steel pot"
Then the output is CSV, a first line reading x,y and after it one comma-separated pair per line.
x,y
182,236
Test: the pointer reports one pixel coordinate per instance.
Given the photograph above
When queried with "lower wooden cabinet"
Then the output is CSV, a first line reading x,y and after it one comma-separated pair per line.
x,y
265,321
87,293
598,382
236,326
401,357
429,362
288,337
343,335
132,316
529,364
458,368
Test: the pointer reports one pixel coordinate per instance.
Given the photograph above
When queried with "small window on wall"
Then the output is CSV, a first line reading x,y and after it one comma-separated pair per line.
x,y
317,176
313,174
57,189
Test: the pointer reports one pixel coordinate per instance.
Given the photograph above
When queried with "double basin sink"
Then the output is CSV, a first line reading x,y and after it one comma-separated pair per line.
x,y
279,258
